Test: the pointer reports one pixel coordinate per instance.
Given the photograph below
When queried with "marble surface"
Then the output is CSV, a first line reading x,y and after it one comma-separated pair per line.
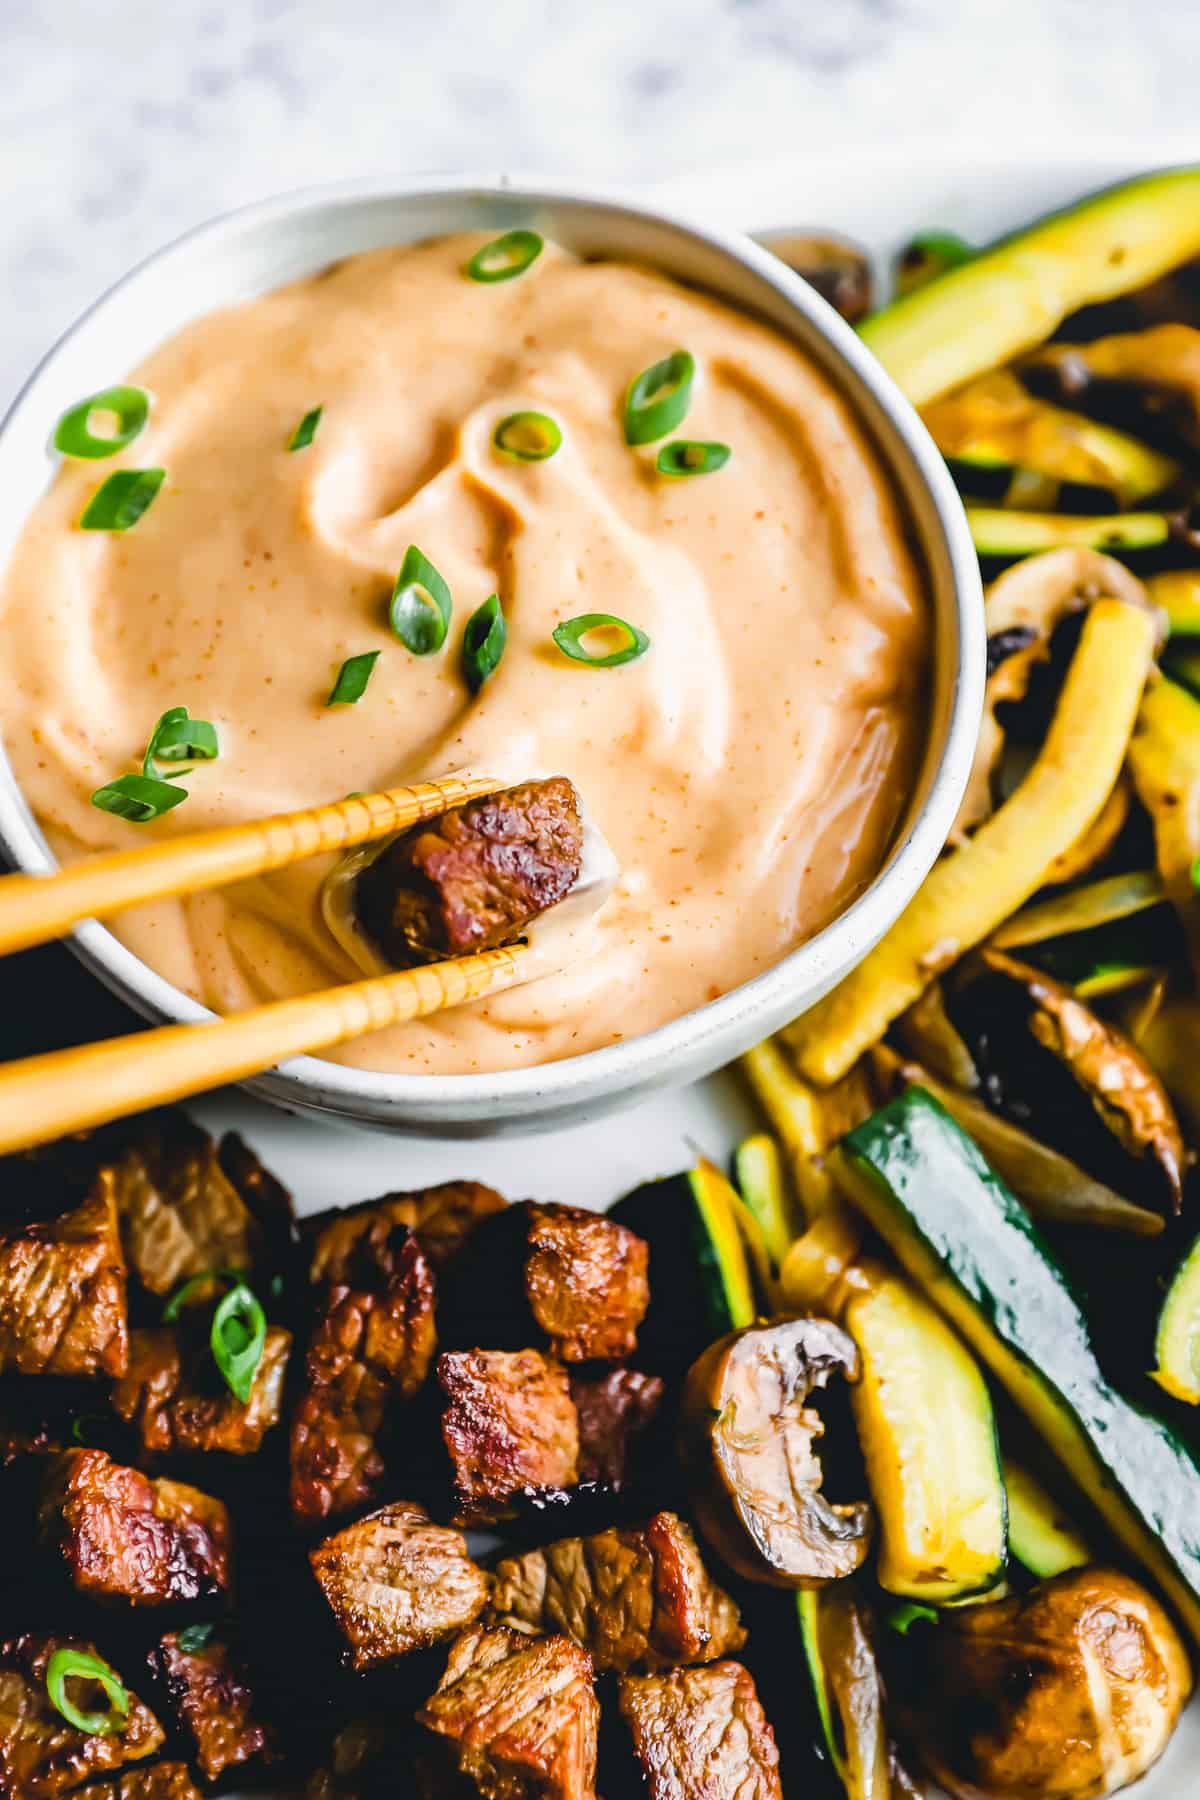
x,y
122,122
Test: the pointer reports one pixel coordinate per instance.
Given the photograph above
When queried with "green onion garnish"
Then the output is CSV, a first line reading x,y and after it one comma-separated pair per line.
x,y
79,1665
185,1294
1196,874
306,430
176,738
239,1331
138,798
483,642
128,406
527,437
690,456
352,679
85,1427
659,397
421,604
194,1637
120,501
631,643
505,256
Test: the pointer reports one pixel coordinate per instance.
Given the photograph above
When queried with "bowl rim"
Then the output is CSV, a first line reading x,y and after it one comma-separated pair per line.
x,y
311,1081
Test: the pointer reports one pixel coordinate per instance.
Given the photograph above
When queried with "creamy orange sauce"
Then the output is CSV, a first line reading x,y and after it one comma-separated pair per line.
x,y
748,770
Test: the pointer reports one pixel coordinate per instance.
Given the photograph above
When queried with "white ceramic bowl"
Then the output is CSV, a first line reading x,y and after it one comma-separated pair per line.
x,y
260,246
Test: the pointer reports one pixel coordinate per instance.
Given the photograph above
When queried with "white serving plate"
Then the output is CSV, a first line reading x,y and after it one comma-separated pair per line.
x,y
881,197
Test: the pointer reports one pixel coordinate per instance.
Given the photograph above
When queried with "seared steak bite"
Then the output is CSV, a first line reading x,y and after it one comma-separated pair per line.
x,y
585,1279
180,1402
62,1291
443,1219
372,1343
41,1754
266,1199
397,1582
701,1734
614,1409
521,1713
638,1599
180,1213
161,1781
126,1537
510,1425
211,1702
475,876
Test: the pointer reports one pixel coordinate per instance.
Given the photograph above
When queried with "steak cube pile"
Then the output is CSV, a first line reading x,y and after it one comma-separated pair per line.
x,y
429,1360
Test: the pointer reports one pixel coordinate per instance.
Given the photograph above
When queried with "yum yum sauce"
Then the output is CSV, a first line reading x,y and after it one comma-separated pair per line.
x,y
748,769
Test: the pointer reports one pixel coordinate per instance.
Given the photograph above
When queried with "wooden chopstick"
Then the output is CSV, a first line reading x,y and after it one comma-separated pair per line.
x,y
35,908
45,1097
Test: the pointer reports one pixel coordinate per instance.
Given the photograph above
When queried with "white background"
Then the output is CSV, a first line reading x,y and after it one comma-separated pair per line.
x,y
124,121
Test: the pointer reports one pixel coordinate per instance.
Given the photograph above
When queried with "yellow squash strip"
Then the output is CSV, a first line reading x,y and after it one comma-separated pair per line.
x,y
805,1121
818,1272
1170,1042
1014,295
1164,759
979,885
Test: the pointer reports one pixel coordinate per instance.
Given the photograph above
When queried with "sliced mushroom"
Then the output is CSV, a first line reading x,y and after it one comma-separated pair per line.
x,y
1123,1089
838,268
1054,1189
1147,382
1068,1692
1023,608
748,1440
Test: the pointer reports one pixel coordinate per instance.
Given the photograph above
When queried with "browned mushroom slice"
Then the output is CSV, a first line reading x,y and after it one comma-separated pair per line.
x,y
1124,1091
838,268
1024,606
1145,381
1072,1689
749,1441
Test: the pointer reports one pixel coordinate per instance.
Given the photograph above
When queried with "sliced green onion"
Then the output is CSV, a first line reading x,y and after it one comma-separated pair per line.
x,y
84,1428
239,1332
658,398
176,738
527,437
193,1286
903,1618
79,1665
506,256
129,406
690,456
120,501
306,430
421,604
570,634
1196,874
138,798
352,679
483,642
195,1637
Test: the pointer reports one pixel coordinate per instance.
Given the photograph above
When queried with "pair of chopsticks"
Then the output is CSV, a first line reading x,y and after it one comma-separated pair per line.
x,y
44,1097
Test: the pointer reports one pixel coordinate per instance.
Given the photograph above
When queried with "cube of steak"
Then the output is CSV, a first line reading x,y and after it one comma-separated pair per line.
x,y
442,1217
62,1291
179,1401
397,1582
522,1714
638,1599
161,1781
40,1753
180,1213
266,1199
211,1702
614,1409
126,1537
473,877
510,1425
585,1279
370,1350
701,1734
